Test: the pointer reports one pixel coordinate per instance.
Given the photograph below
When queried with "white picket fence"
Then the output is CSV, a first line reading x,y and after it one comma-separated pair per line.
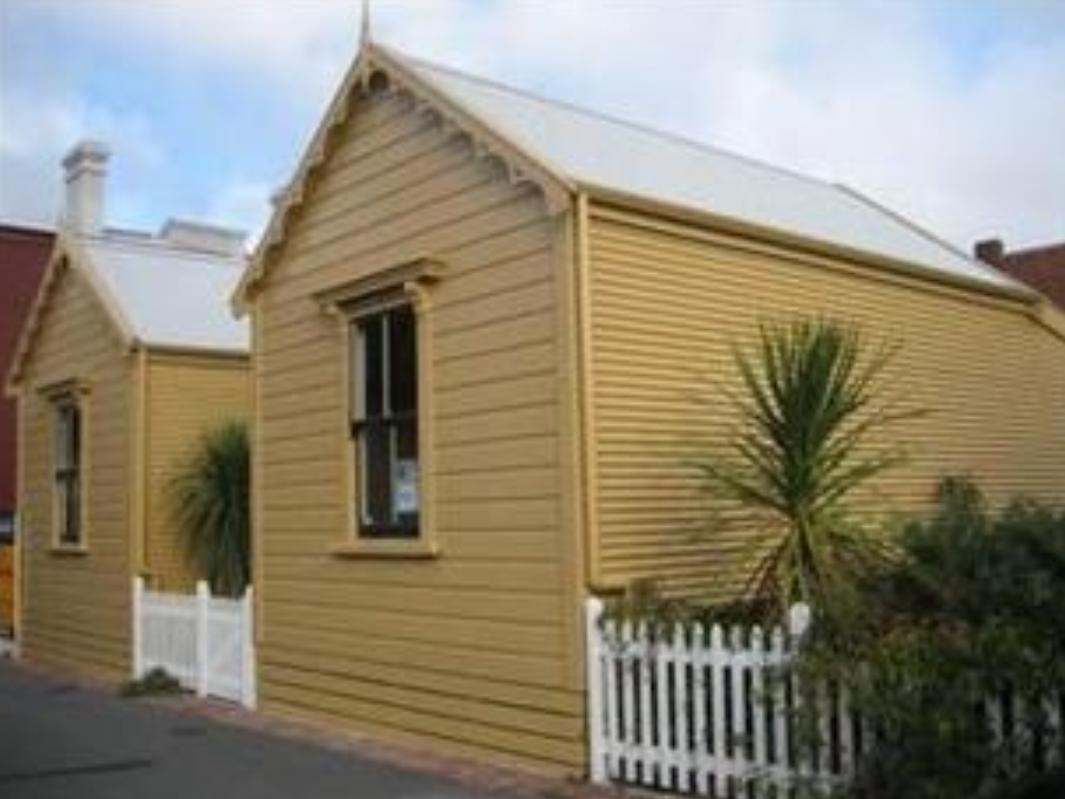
x,y
206,642
707,711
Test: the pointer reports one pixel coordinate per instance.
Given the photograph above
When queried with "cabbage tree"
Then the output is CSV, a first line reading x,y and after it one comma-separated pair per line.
x,y
809,408
211,505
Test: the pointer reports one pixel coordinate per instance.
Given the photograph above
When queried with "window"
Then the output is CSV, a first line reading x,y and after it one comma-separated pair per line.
x,y
68,472
384,423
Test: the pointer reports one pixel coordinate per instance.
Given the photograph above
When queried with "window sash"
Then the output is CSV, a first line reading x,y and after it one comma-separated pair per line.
x,y
67,473
376,425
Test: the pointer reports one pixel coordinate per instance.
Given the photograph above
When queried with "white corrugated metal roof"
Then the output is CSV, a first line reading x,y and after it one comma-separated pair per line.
x,y
605,153
169,296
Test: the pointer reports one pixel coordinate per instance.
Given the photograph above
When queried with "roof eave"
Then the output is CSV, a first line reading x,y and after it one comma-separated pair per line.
x,y
201,350
1015,290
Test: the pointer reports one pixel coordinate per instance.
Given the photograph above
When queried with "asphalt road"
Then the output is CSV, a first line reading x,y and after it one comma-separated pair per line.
x,y
57,740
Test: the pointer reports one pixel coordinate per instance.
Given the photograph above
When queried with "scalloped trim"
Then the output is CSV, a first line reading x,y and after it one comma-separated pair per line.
x,y
520,169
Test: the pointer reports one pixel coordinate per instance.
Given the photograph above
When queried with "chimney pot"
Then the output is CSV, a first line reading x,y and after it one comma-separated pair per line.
x,y
85,172
990,251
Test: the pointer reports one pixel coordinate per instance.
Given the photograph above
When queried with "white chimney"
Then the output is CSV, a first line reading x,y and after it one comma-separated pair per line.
x,y
85,168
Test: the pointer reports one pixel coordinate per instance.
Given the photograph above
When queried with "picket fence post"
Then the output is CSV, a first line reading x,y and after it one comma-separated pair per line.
x,y
202,605
137,612
247,683
597,768
799,617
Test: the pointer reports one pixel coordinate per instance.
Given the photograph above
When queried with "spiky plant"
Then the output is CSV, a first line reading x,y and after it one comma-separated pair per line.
x,y
808,406
211,497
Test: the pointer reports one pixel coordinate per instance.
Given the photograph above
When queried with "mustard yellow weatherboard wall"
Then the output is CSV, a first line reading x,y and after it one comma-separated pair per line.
x,y
477,646
146,390
670,301
75,602
564,332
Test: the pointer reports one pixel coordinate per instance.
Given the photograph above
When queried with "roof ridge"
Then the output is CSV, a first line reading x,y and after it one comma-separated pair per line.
x,y
1034,249
679,138
26,228
917,228
151,242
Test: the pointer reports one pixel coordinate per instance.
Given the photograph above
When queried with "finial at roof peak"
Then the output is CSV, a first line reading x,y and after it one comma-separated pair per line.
x,y
364,25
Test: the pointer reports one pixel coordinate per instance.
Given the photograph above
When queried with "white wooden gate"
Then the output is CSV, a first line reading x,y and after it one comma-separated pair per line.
x,y
205,642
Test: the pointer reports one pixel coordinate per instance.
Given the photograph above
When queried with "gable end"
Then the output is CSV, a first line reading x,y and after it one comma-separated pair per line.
x,y
64,258
376,73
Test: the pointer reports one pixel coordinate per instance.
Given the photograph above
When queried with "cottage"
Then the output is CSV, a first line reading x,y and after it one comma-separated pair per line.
x,y
478,321
128,354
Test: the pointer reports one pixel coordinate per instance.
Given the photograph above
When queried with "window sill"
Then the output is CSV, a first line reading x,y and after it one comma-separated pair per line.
x,y
416,549
69,550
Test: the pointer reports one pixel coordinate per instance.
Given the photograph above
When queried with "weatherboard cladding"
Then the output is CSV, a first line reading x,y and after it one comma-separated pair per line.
x,y
475,651
990,375
76,609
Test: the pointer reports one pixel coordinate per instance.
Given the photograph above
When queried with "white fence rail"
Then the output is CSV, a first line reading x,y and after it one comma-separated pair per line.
x,y
205,642
707,711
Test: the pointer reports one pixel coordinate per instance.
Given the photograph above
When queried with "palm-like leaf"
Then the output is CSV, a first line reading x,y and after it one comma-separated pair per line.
x,y
211,507
807,408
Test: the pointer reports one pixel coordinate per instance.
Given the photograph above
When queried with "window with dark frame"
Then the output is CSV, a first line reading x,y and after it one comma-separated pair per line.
x,y
68,453
384,423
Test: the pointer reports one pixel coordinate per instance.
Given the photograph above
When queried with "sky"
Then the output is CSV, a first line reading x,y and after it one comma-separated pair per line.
x,y
951,112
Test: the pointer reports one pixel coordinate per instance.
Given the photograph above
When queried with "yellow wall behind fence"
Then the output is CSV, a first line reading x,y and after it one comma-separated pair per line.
x,y
76,609
668,304
477,650
187,395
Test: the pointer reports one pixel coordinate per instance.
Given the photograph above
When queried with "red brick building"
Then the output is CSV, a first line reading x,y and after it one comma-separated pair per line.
x,y
1042,268
24,255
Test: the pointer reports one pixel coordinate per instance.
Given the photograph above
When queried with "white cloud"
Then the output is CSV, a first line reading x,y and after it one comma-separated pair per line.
x,y
242,204
872,95
302,46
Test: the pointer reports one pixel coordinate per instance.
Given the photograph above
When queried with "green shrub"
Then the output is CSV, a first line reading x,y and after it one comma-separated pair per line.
x,y
974,606
156,682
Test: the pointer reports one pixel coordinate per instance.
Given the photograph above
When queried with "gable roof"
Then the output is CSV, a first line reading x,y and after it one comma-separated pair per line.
x,y
601,152
155,293
580,150
170,296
